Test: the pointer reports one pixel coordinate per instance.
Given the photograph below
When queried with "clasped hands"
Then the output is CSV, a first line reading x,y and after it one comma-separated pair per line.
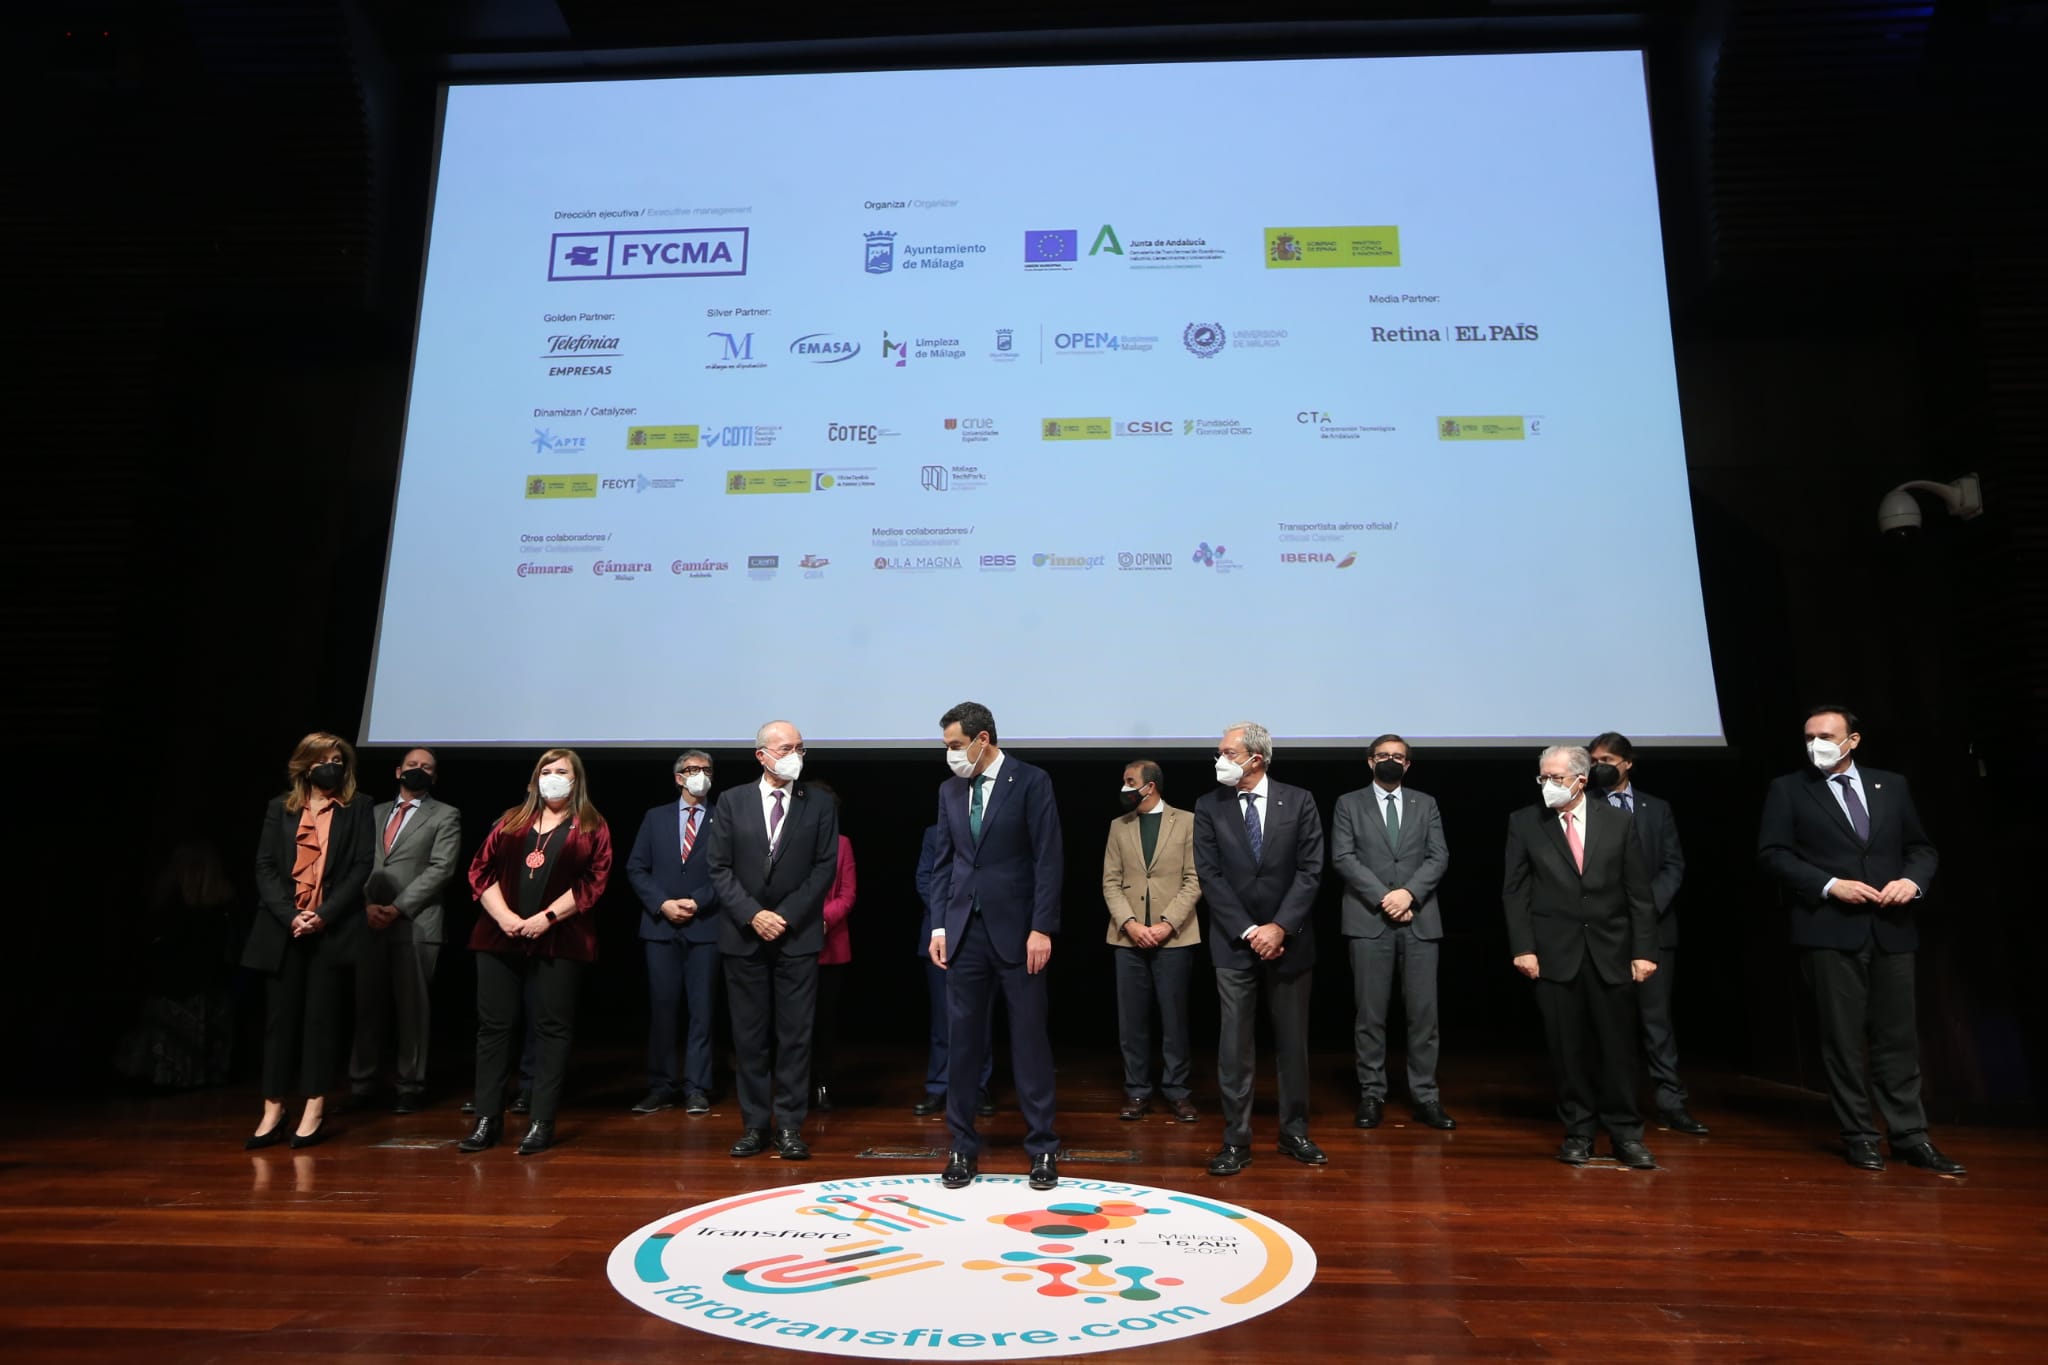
x,y
1147,935
769,925
1897,892
307,922
1639,970
681,910
1399,905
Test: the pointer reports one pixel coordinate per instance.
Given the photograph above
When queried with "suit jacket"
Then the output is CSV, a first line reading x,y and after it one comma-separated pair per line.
x,y
1807,840
420,864
1370,868
350,848
583,866
839,898
1278,889
927,865
1013,873
792,880
1657,834
1168,888
657,873
1603,918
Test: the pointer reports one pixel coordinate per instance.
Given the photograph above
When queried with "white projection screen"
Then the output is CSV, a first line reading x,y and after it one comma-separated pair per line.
x,y
1131,400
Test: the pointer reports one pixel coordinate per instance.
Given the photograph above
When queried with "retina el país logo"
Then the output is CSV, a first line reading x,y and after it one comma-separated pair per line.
x,y
676,253
1495,331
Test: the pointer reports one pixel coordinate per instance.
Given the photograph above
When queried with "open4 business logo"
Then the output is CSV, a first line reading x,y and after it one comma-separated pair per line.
x,y
889,1267
640,255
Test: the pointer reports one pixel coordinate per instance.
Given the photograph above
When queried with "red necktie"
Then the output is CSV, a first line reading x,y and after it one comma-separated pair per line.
x,y
690,833
397,818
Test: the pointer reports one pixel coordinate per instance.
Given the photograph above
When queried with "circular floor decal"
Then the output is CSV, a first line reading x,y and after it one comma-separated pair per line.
x,y
894,1266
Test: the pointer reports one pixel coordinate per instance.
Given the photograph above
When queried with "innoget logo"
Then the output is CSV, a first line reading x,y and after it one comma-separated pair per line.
x,y
890,1267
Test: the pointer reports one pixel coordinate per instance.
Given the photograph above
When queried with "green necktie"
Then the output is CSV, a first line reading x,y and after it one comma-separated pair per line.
x,y
974,809
1393,820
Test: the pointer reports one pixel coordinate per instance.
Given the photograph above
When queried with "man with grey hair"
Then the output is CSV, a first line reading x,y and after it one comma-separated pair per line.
x,y
1583,927
670,871
1259,856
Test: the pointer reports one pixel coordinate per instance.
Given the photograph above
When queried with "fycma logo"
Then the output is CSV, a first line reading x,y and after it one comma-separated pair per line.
x,y
889,1267
675,253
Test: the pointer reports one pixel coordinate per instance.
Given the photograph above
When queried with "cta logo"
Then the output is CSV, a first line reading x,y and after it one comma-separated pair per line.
x,y
544,570
548,486
1327,428
1204,339
637,255
1075,429
824,348
1323,248
662,438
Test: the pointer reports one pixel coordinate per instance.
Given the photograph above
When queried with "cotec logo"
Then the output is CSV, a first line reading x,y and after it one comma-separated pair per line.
x,y
866,435
674,253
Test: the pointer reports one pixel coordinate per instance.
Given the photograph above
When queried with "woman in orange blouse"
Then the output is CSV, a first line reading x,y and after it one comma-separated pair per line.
x,y
538,877
311,863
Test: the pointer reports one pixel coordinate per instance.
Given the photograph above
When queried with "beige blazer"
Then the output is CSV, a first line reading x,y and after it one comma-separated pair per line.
x,y
1170,881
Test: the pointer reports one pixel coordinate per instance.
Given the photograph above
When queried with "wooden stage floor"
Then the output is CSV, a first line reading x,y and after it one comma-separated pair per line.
x,y
138,1230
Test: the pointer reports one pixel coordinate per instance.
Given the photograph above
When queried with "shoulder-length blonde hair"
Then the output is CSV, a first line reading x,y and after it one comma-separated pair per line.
x,y
521,817
313,749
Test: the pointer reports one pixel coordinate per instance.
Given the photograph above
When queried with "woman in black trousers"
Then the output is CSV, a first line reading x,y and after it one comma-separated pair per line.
x,y
312,860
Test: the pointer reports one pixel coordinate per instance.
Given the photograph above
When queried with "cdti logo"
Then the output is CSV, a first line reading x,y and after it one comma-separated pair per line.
x,y
822,348
636,255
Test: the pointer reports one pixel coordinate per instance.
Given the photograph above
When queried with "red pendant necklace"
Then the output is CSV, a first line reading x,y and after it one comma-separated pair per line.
x,y
538,859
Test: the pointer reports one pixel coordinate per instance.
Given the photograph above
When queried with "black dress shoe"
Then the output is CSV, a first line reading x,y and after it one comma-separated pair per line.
x,y
321,1132
522,1103
1230,1159
821,1100
1432,1115
408,1102
1133,1110
1184,1110
960,1171
1680,1121
278,1133
790,1145
1924,1155
1369,1113
1576,1151
753,1142
485,1134
929,1105
1045,1171
654,1101
1864,1156
1635,1156
696,1102
540,1135
985,1105
1301,1149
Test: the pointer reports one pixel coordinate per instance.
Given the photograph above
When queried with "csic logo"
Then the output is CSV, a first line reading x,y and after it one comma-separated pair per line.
x,y
546,443
823,348
1163,426
544,570
674,253
896,1267
1204,339
881,253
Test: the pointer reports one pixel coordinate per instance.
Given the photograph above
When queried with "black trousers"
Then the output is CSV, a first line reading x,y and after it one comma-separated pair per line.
x,y
302,1020
1660,1039
501,981
1865,1000
1237,991
1591,1028
825,1021
773,997
1149,979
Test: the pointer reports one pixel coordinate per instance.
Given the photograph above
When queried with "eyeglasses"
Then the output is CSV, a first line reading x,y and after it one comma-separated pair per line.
x,y
694,768
1383,755
1561,779
780,751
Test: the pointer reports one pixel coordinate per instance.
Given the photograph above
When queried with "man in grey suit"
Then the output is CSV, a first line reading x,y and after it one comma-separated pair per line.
x,y
1387,846
419,850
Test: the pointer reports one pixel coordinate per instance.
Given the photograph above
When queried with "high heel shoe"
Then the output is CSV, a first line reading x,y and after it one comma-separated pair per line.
x,y
277,1134
312,1139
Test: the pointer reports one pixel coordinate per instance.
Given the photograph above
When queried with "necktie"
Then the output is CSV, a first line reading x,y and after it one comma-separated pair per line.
x,y
397,818
775,822
1624,800
974,810
1571,836
690,830
1251,826
1393,819
1859,818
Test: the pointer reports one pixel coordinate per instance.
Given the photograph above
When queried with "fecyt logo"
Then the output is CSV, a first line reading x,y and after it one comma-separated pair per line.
x,y
677,252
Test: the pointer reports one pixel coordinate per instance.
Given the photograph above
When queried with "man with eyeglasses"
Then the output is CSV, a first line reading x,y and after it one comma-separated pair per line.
x,y
670,869
1387,846
1581,925
774,852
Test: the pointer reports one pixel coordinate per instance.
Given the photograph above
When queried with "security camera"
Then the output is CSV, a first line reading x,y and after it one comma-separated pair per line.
x,y
1899,513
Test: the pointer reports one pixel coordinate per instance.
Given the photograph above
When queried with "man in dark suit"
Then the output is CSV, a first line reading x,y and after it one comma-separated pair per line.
x,y
997,876
934,1099
1581,925
1259,855
1387,846
1846,848
670,869
419,851
1657,833
773,855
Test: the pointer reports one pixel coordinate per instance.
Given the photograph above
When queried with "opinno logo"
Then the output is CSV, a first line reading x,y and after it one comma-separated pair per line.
x,y
888,1267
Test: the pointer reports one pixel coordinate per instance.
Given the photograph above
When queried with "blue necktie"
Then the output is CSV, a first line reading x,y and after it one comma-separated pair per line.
x,y
1623,800
1251,827
1859,818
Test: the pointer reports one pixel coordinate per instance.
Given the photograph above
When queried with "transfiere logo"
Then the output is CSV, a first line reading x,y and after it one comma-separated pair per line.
x,y
889,1267
636,255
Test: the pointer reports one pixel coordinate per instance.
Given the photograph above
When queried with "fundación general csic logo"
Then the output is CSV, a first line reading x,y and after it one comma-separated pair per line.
x,y
889,1267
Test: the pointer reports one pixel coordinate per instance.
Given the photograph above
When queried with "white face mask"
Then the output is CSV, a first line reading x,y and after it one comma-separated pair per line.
x,y
555,787
1557,796
961,761
1228,772
1824,753
696,784
789,767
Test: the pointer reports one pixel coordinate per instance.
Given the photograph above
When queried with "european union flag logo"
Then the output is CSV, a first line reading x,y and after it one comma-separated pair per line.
x,y
1040,247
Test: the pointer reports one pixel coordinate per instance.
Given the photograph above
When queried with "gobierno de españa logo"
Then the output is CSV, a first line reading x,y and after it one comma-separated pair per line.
x,y
889,1267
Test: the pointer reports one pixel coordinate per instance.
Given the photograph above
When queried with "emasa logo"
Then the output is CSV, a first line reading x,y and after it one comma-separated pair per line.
x,y
892,1266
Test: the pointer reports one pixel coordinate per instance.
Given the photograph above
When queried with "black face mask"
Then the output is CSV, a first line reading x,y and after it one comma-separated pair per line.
x,y
1390,772
1604,777
1131,799
416,779
327,776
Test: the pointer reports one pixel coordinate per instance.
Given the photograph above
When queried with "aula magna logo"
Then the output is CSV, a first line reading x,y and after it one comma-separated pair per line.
x,y
888,1267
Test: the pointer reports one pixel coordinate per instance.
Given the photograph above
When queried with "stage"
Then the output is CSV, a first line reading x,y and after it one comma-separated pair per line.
x,y
137,1229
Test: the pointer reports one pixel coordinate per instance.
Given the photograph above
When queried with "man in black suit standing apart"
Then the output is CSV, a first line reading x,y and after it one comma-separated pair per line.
x,y
996,898
773,854
1845,846
670,869
1614,761
1581,925
1259,854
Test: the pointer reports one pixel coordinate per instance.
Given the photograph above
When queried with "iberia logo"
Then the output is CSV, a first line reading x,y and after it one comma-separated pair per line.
x,y
884,1266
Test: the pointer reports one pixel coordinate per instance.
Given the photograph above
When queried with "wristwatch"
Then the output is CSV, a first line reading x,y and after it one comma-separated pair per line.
x,y
551,917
